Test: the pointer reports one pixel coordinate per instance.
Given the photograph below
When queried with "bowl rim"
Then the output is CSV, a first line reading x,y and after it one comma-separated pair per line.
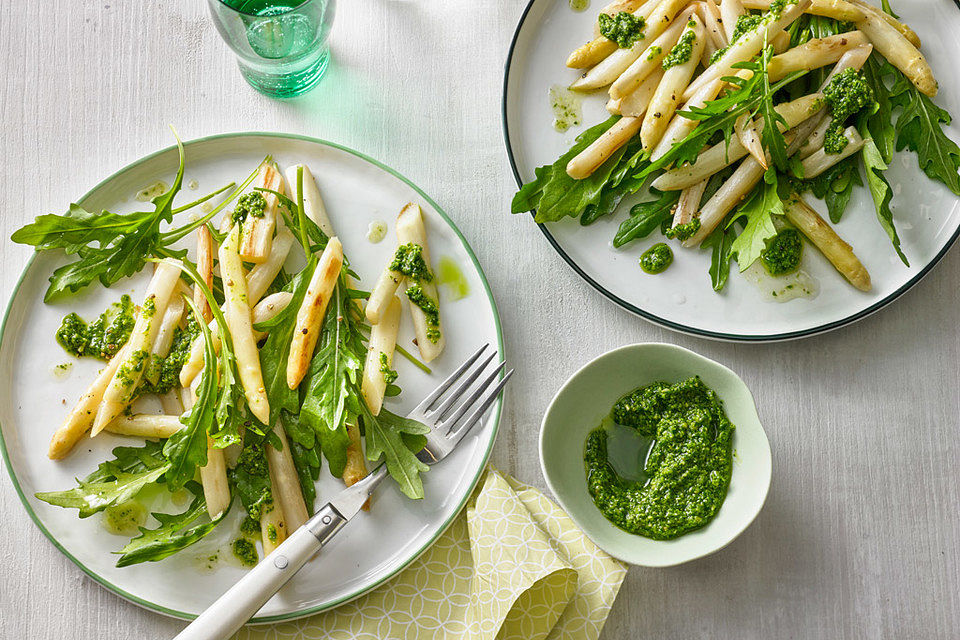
x,y
558,496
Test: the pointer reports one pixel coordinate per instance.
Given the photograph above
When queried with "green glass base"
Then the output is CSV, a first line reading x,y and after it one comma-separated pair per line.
x,y
288,84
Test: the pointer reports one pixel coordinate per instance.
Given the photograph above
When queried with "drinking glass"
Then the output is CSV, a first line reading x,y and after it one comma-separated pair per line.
x,y
281,45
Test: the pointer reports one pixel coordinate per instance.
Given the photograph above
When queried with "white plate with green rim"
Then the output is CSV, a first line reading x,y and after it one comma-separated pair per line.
x,y
370,550
926,213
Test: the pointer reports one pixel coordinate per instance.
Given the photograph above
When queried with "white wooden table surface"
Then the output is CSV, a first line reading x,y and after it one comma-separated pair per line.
x,y
860,535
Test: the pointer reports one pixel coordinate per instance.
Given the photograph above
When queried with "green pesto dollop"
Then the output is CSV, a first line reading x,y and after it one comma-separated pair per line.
x,y
409,261
428,305
654,51
783,253
134,364
681,51
624,28
103,337
249,204
746,23
389,375
250,527
656,259
846,95
683,479
246,552
683,231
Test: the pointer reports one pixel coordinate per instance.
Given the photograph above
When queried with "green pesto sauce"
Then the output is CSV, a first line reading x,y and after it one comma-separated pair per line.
x,y
846,95
271,533
249,204
566,107
656,259
135,364
246,552
684,231
103,337
783,253
746,23
450,276
681,51
409,261
250,527
430,309
579,5
124,519
624,28
166,371
654,51
681,460
389,375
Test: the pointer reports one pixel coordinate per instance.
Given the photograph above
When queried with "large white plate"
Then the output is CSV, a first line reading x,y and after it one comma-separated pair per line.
x,y
926,213
373,548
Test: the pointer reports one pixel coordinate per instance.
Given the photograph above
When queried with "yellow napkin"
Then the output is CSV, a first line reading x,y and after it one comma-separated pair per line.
x,y
512,566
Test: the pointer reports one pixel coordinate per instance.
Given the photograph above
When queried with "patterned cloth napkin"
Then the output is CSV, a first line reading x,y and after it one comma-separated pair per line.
x,y
513,566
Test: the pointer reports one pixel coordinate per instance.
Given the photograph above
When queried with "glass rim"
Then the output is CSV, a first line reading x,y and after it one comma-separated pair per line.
x,y
254,15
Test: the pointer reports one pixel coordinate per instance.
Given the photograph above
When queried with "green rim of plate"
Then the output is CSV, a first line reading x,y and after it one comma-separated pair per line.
x,y
473,483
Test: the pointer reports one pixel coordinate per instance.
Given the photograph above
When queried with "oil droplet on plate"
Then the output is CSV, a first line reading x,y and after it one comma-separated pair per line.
x,y
566,106
124,519
377,231
192,185
579,5
451,277
798,284
61,371
149,193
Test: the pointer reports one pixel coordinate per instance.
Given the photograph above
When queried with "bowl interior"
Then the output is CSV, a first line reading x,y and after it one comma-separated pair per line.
x,y
587,397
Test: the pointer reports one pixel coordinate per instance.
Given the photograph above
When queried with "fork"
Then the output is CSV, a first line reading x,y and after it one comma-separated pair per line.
x,y
450,412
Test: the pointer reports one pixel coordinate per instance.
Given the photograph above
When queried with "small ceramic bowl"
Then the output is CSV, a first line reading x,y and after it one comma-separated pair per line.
x,y
586,399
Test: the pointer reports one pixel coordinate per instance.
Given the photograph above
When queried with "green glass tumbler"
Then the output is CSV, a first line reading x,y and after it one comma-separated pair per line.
x,y
281,45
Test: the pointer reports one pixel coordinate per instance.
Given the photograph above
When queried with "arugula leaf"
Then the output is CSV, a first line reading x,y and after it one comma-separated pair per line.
x,y
886,7
114,481
758,210
110,246
620,184
878,121
186,449
305,459
386,436
720,242
554,195
882,193
172,535
645,217
770,134
919,128
835,186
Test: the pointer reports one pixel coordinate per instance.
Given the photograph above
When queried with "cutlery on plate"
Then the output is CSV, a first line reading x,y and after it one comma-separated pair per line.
x,y
450,411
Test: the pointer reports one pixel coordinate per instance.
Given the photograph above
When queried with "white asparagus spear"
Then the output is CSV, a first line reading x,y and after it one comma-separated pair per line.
x,y
146,425
813,54
273,528
430,337
688,203
205,251
313,205
588,160
383,291
907,32
651,60
713,22
258,281
815,140
675,80
680,127
171,403
213,475
286,482
237,315
896,48
824,238
255,241
743,180
356,468
120,390
721,156
836,9
635,104
311,312
268,309
81,417
164,338
747,46
644,56
749,137
383,341
730,12
819,161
